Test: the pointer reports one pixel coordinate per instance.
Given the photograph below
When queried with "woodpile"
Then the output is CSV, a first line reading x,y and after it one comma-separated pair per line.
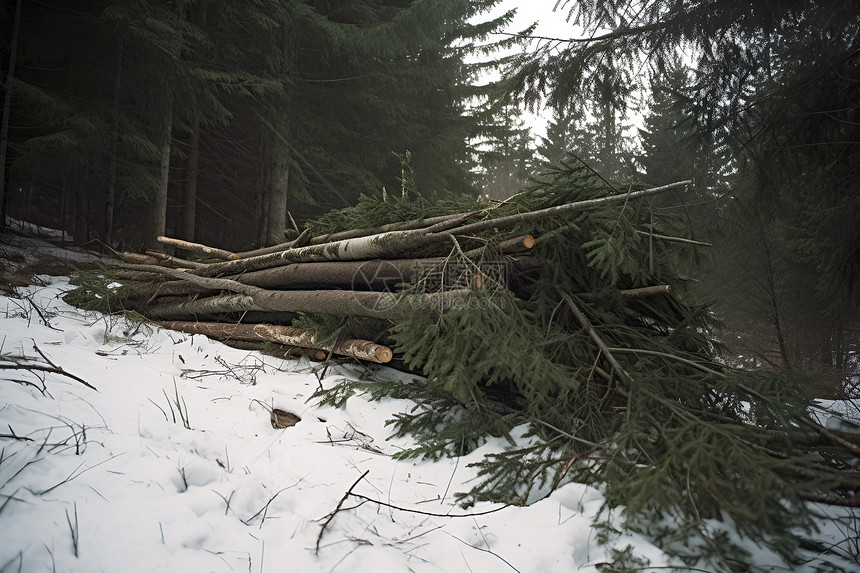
x,y
249,299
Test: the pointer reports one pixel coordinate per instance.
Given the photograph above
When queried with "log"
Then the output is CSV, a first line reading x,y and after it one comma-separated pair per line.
x,y
354,275
211,251
383,245
509,247
138,259
285,335
338,302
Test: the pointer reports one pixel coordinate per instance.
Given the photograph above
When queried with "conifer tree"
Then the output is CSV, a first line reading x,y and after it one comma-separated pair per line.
x,y
772,101
507,161
556,145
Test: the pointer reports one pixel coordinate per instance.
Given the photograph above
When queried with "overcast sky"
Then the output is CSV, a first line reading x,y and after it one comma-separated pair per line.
x,y
550,24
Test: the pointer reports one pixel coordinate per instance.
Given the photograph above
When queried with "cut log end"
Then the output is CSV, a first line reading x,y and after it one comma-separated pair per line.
x,y
384,355
528,241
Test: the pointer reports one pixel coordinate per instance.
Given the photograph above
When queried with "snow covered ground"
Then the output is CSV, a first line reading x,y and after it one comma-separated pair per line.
x,y
173,464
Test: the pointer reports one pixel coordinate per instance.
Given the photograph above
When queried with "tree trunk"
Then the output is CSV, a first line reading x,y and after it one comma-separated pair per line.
x,y
278,194
261,198
7,107
159,204
114,140
190,211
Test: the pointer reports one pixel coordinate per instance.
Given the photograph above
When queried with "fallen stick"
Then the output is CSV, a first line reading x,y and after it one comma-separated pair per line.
x,y
675,239
632,292
211,251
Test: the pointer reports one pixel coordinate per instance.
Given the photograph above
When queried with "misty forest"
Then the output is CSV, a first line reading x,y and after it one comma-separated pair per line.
x,y
679,228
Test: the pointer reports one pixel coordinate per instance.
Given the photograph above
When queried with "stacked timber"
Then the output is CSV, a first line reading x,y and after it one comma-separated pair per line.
x,y
249,299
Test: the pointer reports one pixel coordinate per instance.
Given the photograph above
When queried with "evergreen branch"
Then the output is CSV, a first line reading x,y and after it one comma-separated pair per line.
x,y
586,324
610,36
817,427
670,357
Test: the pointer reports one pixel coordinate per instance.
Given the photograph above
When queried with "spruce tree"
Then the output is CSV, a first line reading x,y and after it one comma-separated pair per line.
x,y
770,99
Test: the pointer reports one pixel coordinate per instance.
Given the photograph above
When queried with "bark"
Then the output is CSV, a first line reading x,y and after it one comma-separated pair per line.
x,y
211,251
285,335
189,214
7,107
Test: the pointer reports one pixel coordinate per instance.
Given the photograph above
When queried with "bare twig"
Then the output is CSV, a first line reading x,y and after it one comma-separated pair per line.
x,y
74,529
337,509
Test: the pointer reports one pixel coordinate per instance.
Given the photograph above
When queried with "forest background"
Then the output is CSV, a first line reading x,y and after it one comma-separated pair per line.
x,y
225,122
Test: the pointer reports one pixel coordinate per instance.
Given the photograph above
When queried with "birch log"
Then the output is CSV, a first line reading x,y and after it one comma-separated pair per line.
x,y
285,335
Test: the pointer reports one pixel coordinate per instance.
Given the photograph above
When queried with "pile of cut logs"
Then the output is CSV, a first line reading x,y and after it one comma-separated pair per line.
x,y
248,299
